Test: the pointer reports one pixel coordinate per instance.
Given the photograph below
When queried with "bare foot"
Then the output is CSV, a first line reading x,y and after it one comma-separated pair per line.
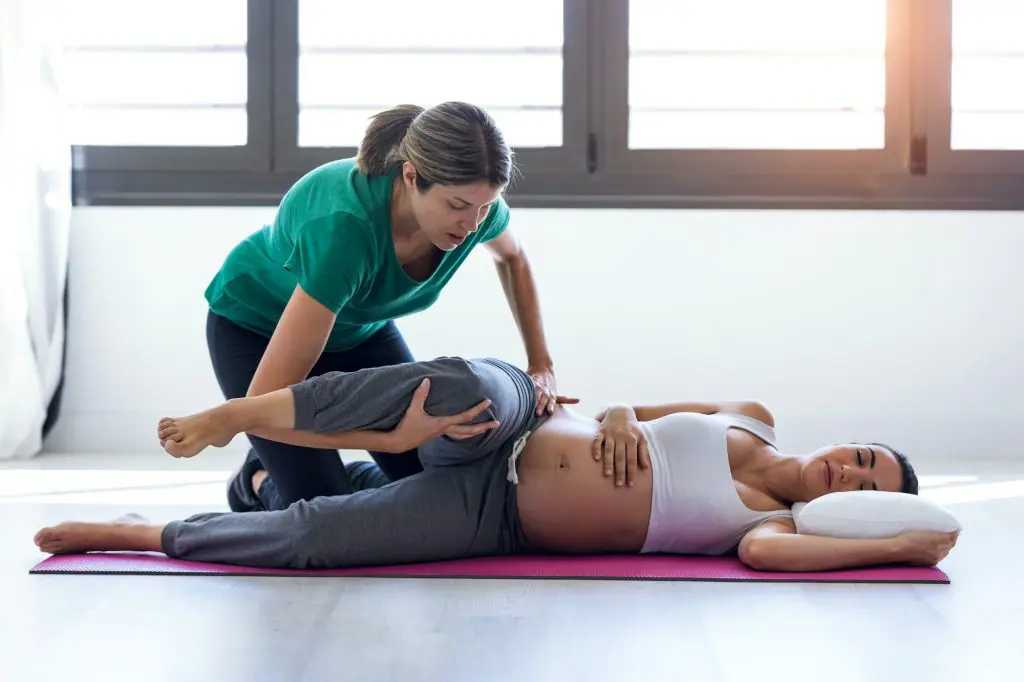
x,y
188,436
130,533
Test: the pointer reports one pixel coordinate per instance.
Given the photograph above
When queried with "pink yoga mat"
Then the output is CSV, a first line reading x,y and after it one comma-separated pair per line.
x,y
593,567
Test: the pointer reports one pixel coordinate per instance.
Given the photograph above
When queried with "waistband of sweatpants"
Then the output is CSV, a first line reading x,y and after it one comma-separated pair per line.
x,y
530,421
517,542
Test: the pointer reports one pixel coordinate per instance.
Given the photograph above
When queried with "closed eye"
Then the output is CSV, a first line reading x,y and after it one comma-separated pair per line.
x,y
860,462
860,458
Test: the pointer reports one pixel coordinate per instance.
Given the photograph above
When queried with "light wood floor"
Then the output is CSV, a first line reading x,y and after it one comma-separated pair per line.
x,y
228,629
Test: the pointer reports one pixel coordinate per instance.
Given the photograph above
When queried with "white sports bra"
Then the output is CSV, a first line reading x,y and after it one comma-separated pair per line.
x,y
695,508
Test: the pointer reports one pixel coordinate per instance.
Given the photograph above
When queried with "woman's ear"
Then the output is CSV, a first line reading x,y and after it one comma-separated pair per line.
x,y
409,174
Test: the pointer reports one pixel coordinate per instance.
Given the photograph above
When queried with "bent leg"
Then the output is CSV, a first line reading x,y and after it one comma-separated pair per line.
x,y
299,473
377,398
385,348
431,516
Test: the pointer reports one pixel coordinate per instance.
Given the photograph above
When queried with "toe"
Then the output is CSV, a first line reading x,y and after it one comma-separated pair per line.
x,y
174,449
174,436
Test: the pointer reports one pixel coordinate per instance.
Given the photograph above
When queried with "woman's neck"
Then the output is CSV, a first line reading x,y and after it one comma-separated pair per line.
x,y
411,244
780,476
403,222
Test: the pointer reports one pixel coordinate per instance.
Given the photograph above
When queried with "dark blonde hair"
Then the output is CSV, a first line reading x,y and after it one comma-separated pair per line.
x,y
453,143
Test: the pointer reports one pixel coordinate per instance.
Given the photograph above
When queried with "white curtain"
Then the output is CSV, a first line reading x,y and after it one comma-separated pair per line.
x,y
35,209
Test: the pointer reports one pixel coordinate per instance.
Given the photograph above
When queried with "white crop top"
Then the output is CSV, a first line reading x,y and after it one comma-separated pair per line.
x,y
695,507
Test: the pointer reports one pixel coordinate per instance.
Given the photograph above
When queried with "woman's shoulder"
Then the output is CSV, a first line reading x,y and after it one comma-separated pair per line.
x,y
337,188
497,220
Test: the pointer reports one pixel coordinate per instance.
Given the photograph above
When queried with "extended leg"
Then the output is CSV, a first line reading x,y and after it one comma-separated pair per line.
x,y
131,533
372,399
432,516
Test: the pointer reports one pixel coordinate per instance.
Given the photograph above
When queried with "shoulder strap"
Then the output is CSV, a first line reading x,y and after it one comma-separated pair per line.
x,y
755,426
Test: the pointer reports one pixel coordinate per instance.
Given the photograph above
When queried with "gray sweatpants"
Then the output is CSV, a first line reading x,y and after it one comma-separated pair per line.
x,y
461,505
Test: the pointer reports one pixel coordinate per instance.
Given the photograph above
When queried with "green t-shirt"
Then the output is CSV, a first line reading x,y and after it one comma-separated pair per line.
x,y
332,236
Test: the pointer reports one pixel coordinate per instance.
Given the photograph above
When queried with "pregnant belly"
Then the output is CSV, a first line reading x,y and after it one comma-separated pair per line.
x,y
566,503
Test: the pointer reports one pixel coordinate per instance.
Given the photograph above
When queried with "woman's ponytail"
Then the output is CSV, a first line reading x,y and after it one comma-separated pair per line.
x,y
380,147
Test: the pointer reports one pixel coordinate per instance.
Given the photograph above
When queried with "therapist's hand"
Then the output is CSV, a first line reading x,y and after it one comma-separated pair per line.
x,y
547,391
418,427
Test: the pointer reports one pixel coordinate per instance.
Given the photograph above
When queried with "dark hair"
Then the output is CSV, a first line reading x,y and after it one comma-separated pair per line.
x,y
453,143
909,477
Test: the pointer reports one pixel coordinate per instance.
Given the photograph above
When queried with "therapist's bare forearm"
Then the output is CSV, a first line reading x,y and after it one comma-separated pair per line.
x,y
285,363
521,292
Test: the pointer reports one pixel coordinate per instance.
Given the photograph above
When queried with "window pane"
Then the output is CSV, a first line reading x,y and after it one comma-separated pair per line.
x,y
504,58
156,78
988,70
354,80
814,26
994,131
987,26
754,130
117,23
794,74
165,127
151,74
757,82
443,23
345,127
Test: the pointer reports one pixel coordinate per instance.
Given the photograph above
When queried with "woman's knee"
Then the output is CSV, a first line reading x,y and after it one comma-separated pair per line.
x,y
457,385
465,383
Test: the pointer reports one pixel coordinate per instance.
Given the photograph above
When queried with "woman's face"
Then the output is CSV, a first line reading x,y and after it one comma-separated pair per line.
x,y
850,466
448,214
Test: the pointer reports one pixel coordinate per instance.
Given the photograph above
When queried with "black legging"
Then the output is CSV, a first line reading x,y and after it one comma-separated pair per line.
x,y
304,473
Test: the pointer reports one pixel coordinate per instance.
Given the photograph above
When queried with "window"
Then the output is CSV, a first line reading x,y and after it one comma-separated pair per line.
x,y
988,75
631,103
336,64
753,103
506,58
750,74
149,74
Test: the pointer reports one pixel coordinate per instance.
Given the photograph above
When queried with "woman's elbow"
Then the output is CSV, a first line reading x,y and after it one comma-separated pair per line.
x,y
759,556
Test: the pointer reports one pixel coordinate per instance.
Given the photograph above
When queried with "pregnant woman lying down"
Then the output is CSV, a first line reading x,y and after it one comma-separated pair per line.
x,y
684,478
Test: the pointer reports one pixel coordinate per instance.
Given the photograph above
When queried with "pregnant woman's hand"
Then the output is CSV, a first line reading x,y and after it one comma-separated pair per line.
x,y
417,427
925,548
621,443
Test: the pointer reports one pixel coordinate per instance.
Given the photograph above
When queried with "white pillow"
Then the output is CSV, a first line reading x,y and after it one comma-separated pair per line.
x,y
871,514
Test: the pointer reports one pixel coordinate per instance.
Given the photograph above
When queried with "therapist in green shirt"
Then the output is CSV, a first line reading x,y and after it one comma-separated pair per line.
x,y
355,244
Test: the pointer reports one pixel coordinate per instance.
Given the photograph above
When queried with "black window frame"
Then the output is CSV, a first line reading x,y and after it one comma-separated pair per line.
x,y
917,170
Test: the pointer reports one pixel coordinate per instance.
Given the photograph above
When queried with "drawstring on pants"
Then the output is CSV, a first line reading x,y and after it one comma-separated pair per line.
x,y
517,449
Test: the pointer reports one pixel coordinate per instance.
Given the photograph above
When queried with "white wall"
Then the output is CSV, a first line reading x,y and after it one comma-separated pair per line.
x,y
904,327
